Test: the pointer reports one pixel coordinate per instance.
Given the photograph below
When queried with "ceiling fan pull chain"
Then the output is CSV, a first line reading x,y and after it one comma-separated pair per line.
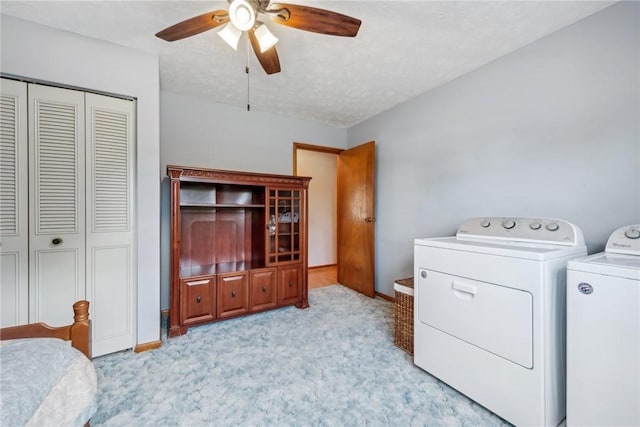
x,y
246,70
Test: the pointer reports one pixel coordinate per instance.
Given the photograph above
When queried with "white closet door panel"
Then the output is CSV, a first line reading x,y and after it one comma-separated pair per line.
x,y
110,233
14,310
111,171
57,201
60,275
10,156
111,305
14,233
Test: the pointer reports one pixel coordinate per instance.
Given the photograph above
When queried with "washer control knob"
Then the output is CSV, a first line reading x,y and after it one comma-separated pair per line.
x,y
508,224
553,226
535,226
632,233
485,223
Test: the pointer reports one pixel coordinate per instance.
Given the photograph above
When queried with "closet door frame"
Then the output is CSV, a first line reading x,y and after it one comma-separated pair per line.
x,y
55,139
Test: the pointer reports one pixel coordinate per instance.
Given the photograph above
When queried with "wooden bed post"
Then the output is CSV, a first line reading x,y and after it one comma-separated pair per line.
x,y
81,328
79,332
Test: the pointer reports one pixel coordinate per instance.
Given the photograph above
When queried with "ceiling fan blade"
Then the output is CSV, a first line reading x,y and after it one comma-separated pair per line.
x,y
315,20
268,59
193,26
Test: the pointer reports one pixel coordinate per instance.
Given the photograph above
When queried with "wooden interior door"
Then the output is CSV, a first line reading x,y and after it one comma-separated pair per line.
x,y
356,218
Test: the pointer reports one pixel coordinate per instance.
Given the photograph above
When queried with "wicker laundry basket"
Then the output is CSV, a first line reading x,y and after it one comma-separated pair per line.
x,y
403,314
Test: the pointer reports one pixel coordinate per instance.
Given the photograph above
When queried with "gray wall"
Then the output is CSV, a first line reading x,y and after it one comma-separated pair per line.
x,y
38,52
550,130
201,133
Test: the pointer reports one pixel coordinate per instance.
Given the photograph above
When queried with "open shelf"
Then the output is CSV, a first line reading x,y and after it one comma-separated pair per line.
x,y
220,205
201,194
220,268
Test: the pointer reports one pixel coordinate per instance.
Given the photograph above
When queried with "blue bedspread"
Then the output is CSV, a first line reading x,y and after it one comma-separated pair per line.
x,y
37,371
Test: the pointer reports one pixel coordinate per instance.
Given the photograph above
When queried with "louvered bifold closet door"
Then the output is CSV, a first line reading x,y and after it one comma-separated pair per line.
x,y
110,229
14,232
56,199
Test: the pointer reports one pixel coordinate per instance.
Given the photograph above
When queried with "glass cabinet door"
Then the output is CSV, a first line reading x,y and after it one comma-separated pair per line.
x,y
283,228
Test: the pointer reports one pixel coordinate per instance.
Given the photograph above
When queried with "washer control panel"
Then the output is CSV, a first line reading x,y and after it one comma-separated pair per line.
x,y
538,230
625,240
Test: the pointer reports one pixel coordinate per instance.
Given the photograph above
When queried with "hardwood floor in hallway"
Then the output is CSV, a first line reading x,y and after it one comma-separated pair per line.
x,y
323,276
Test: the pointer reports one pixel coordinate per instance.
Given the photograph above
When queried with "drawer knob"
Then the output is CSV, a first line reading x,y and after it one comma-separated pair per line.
x,y
56,241
264,288
291,284
198,299
233,294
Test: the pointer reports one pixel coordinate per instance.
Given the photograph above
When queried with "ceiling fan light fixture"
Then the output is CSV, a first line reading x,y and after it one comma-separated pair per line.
x,y
231,35
266,39
242,15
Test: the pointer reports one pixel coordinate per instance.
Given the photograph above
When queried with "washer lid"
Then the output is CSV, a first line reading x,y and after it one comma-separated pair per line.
x,y
506,248
608,264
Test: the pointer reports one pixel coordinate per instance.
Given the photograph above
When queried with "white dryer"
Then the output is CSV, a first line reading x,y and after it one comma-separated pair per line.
x,y
489,313
603,334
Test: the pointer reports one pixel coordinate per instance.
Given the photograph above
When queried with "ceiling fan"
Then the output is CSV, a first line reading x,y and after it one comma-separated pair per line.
x,y
242,17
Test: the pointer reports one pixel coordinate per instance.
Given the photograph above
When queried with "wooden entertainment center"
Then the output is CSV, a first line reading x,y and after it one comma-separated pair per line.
x,y
238,244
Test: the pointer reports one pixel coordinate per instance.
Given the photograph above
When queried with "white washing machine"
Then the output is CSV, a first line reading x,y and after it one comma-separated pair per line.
x,y
603,334
489,313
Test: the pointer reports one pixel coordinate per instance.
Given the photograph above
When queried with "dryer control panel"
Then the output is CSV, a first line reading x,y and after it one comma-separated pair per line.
x,y
625,240
535,230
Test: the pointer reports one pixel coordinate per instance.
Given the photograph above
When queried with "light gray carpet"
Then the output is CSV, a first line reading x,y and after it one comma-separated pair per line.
x,y
333,364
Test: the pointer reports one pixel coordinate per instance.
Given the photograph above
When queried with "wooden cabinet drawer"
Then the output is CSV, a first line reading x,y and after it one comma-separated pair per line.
x,y
233,294
289,283
197,299
264,293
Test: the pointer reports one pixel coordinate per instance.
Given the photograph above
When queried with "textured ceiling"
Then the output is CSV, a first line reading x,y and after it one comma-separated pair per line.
x,y
403,49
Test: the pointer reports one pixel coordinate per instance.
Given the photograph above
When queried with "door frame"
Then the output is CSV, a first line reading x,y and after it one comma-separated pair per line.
x,y
317,149
310,147
332,150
